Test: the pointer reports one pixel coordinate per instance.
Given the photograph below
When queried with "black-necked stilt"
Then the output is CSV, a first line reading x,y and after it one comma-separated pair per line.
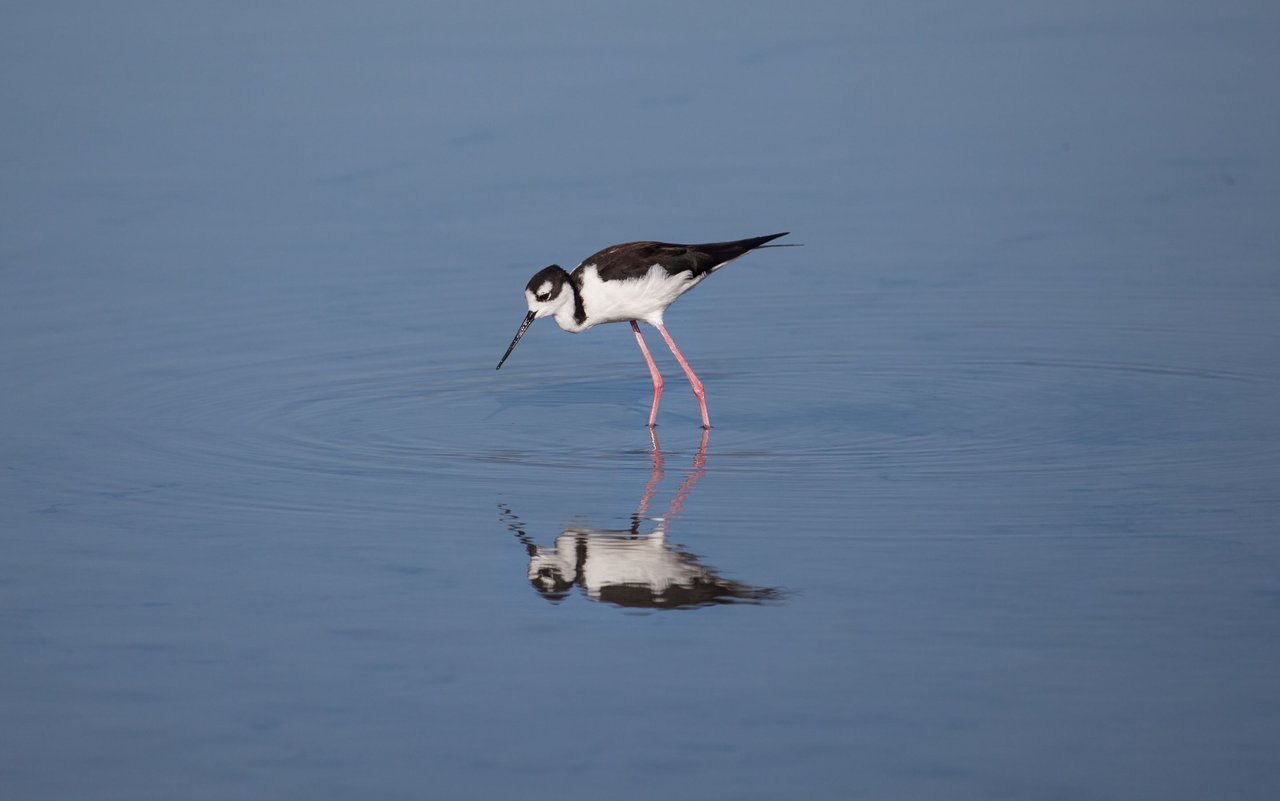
x,y
630,282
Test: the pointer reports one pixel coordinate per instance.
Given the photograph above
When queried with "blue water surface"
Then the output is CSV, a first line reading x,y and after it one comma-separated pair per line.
x,y
989,506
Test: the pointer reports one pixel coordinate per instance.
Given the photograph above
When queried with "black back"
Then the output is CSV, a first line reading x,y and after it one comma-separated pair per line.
x,y
633,259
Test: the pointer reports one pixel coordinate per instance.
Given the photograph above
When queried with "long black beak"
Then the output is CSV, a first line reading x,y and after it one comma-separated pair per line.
x,y
528,318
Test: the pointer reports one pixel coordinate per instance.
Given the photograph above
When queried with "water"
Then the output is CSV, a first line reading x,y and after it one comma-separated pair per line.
x,y
989,506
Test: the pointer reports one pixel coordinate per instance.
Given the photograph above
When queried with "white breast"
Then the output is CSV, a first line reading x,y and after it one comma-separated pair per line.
x,y
633,299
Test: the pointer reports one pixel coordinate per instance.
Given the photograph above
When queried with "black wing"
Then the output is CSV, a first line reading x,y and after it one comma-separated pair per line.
x,y
634,259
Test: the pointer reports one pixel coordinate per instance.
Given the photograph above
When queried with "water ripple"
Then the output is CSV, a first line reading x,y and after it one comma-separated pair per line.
x,y
386,415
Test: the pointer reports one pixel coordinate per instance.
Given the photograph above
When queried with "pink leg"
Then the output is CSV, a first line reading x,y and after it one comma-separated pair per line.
x,y
693,379
653,373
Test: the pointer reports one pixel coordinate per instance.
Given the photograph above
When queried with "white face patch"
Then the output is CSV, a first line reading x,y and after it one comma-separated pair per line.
x,y
544,308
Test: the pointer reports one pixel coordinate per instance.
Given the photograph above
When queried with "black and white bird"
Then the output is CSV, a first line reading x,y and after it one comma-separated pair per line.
x,y
631,282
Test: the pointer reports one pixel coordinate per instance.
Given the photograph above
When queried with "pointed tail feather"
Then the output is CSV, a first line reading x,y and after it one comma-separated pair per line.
x,y
757,241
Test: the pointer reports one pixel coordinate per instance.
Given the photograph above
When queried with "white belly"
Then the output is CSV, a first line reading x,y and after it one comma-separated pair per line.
x,y
634,299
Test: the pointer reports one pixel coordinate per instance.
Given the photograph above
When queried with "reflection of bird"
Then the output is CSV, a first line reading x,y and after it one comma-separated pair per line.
x,y
630,282
630,567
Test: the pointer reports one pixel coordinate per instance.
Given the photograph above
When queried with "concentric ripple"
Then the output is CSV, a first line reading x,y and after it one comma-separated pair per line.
x,y
386,416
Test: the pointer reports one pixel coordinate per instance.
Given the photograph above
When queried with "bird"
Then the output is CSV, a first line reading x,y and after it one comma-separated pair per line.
x,y
632,282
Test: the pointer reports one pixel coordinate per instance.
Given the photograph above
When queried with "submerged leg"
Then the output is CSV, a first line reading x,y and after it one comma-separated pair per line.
x,y
693,379
653,373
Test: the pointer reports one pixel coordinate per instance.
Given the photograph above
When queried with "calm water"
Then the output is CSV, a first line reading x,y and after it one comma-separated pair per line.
x,y
989,509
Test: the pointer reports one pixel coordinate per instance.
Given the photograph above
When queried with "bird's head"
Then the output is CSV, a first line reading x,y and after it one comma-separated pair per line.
x,y
546,293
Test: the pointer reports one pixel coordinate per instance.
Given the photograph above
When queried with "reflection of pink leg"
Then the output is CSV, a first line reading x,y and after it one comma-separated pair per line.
x,y
655,476
653,373
693,379
699,467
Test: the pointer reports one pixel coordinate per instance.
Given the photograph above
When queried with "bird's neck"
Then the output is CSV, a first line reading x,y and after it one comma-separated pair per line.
x,y
572,315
